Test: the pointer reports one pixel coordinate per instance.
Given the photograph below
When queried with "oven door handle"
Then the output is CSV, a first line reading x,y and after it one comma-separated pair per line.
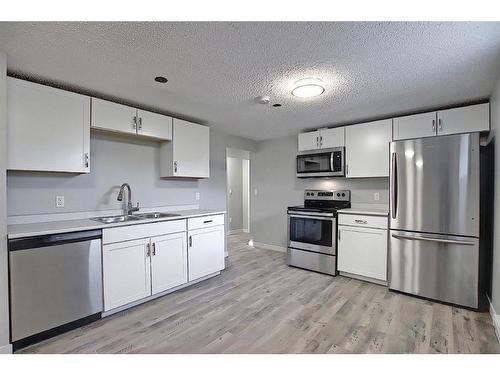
x,y
318,217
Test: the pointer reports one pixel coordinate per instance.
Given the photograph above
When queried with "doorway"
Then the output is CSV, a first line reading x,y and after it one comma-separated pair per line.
x,y
238,190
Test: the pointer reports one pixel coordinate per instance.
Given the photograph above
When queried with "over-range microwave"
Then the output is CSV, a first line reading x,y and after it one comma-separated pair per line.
x,y
321,163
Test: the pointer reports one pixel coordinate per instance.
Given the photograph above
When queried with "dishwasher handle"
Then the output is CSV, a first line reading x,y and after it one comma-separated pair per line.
x,y
53,239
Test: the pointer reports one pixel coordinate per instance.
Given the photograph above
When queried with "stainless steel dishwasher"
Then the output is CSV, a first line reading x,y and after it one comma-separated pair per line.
x,y
55,284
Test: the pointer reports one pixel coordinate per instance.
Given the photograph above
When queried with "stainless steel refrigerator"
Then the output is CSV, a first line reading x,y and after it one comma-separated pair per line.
x,y
434,218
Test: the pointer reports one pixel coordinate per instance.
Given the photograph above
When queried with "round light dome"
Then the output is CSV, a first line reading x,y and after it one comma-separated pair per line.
x,y
308,88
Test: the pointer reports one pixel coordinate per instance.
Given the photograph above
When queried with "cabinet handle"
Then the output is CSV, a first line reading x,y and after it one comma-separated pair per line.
x,y
134,123
190,241
207,221
317,142
339,234
347,169
154,248
440,125
358,221
86,160
433,126
140,123
175,166
148,250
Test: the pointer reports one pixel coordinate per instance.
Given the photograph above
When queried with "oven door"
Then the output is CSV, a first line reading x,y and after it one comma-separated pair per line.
x,y
324,164
312,232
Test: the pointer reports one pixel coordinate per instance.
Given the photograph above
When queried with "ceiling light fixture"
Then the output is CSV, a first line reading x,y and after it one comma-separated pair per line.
x,y
308,88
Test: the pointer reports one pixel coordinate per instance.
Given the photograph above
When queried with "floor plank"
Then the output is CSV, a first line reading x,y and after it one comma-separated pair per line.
x,y
260,305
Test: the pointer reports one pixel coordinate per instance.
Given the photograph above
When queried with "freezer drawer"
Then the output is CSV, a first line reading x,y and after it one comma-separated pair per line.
x,y
440,267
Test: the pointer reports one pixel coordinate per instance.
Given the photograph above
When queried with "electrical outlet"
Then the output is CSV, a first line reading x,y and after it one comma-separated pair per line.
x,y
230,219
255,191
59,201
197,196
376,196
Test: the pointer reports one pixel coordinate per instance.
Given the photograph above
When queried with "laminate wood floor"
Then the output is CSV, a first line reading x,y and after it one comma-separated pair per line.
x,y
260,305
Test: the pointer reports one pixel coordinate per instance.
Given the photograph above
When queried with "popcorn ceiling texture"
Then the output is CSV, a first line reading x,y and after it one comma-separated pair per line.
x,y
216,70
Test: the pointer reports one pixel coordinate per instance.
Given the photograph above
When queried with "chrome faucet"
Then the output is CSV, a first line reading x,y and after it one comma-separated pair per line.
x,y
130,208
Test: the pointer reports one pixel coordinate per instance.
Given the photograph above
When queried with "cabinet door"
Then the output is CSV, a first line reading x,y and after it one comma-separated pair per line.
x,y
113,117
205,251
309,141
363,251
367,149
329,138
415,126
48,128
168,262
154,125
126,272
469,119
190,149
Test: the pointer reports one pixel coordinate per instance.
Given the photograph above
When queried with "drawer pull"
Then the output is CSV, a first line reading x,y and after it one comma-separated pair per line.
x,y
207,221
358,221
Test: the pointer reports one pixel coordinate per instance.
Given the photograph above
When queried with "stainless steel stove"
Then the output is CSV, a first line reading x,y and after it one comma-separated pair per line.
x,y
312,228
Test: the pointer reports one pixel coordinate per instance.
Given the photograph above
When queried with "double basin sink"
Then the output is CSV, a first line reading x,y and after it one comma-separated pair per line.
x,y
125,218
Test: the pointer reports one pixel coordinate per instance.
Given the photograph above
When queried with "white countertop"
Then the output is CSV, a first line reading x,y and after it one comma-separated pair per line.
x,y
53,227
366,209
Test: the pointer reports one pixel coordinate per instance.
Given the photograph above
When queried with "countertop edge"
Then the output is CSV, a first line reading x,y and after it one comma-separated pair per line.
x,y
89,224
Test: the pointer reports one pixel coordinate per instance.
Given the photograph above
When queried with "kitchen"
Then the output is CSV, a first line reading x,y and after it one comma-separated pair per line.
x,y
118,234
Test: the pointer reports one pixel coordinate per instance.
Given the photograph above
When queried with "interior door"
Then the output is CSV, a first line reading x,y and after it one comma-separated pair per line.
x,y
205,251
434,185
168,262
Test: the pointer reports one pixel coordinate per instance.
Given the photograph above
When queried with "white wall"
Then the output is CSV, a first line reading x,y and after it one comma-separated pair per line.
x,y
4,308
495,130
273,175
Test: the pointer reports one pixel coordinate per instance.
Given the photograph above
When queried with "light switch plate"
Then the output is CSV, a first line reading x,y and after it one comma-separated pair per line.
x,y
376,196
59,201
197,196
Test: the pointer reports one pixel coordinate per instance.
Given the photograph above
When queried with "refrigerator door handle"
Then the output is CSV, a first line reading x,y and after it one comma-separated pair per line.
x,y
394,185
433,239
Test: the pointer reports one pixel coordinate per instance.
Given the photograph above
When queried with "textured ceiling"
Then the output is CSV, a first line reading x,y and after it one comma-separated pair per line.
x,y
216,70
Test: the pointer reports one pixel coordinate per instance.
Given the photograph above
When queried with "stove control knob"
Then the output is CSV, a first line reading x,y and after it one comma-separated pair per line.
x,y
343,194
338,194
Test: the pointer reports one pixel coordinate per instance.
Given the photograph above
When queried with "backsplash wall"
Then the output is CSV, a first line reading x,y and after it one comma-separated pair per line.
x,y
273,175
115,160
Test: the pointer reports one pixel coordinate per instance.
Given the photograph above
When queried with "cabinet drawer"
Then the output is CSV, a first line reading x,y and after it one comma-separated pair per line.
x,y
205,221
131,232
363,221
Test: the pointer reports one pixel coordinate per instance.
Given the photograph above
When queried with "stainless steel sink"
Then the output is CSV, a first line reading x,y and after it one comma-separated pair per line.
x,y
155,215
116,219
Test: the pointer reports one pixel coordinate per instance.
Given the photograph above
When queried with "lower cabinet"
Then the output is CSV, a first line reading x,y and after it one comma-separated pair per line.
x,y
205,251
126,272
362,251
168,262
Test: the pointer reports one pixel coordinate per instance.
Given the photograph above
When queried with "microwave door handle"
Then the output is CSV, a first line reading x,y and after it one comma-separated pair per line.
x,y
331,162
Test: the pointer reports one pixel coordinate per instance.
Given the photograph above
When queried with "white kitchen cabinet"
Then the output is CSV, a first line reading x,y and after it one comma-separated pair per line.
x,y
126,272
332,137
415,126
309,141
48,128
188,155
113,117
362,246
473,118
154,125
168,262
367,149
321,139
205,251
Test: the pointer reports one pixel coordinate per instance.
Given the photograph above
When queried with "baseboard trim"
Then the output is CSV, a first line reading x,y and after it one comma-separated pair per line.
x,y
235,231
266,246
6,349
363,278
495,318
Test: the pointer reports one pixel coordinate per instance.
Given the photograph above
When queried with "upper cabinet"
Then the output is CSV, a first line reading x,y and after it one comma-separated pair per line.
x,y
474,118
120,118
321,139
367,149
415,126
48,128
188,155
